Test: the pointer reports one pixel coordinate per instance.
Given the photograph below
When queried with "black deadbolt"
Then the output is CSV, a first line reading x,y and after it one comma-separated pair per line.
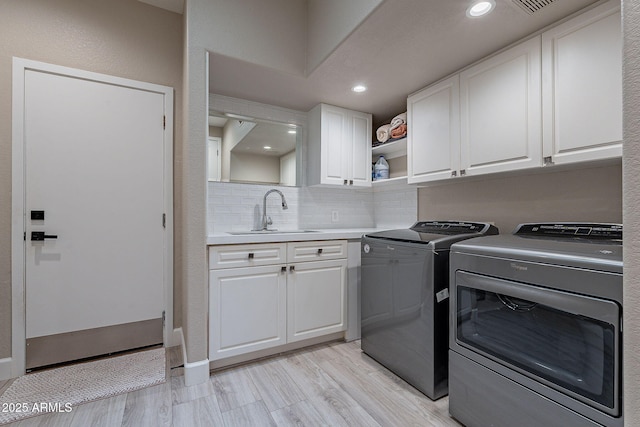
x,y
38,215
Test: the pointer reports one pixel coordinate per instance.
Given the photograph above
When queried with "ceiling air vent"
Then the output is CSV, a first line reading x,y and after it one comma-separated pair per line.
x,y
532,6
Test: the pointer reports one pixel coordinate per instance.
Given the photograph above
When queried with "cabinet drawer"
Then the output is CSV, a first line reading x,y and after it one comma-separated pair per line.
x,y
316,250
234,256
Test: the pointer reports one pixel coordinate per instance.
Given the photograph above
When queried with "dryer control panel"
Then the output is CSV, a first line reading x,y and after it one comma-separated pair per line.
x,y
571,230
452,227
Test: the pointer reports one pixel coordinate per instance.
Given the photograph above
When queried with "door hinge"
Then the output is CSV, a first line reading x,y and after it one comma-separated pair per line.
x,y
164,122
25,236
164,317
164,220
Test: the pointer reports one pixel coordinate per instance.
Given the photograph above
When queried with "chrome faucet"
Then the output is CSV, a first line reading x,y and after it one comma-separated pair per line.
x,y
266,221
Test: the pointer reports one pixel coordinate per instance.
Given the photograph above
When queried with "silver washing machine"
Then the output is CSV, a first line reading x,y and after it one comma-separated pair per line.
x,y
404,299
536,335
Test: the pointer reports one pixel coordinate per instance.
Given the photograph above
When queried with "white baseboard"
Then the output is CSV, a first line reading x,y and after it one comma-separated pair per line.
x,y
196,372
6,366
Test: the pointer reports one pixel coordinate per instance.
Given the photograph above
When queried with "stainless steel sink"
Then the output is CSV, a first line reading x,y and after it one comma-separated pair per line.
x,y
239,233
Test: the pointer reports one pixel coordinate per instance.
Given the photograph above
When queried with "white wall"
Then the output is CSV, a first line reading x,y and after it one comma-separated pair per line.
x,y
122,38
193,214
232,134
587,194
631,211
255,168
330,22
272,34
288,169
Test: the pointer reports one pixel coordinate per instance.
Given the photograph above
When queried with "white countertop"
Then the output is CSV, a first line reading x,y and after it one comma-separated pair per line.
x,y
223,238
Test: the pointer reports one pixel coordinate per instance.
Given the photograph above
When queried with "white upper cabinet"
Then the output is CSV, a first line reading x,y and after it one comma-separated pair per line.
x,y
500,112
339,151
433,136
582,87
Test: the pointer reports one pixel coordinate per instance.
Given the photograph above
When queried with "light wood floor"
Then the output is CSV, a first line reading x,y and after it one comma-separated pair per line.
x,y
327,385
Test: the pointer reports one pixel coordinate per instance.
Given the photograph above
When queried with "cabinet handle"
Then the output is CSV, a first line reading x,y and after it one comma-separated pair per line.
x,y
250,255
548,161
463,172
350,182
345,182
320,251
292,268
454,173
283,269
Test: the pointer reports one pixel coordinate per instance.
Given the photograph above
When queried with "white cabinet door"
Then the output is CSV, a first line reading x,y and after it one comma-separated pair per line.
x,y
359,156
247,309
500,112
433,137
582,87
339,151
334,146
316,299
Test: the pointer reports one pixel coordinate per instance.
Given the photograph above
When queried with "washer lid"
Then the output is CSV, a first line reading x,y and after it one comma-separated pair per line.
x,y
438,233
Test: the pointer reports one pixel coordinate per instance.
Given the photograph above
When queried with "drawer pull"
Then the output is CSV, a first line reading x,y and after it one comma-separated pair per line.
x,y
320,251
250,255
292,268
283,269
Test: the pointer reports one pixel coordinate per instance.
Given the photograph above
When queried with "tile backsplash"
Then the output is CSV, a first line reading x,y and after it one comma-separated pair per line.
x,y
238,207
395,206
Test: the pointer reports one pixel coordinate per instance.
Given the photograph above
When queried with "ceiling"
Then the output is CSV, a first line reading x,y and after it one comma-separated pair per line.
x,y
403,46
272,135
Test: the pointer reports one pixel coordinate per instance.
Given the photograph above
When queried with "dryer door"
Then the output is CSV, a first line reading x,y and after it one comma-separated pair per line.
x,y
566,341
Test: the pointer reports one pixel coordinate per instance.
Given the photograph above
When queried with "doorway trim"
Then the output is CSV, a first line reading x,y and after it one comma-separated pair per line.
x,y
17,362
217,142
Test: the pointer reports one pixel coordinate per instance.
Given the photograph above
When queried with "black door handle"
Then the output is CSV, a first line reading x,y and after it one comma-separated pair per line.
x,y
39,236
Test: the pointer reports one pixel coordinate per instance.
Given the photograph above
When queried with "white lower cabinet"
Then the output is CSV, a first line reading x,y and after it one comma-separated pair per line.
x,y
247,310
257,307
316,299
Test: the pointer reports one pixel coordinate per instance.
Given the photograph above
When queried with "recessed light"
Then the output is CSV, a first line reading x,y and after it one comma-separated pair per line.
x,y
267,147
359,88
480,8
292,131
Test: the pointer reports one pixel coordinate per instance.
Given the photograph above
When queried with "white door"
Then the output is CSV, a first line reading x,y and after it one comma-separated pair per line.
x,y
213,159
94,158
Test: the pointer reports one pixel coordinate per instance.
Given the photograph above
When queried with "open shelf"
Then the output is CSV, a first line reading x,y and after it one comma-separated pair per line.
x,y
391,150
390,181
